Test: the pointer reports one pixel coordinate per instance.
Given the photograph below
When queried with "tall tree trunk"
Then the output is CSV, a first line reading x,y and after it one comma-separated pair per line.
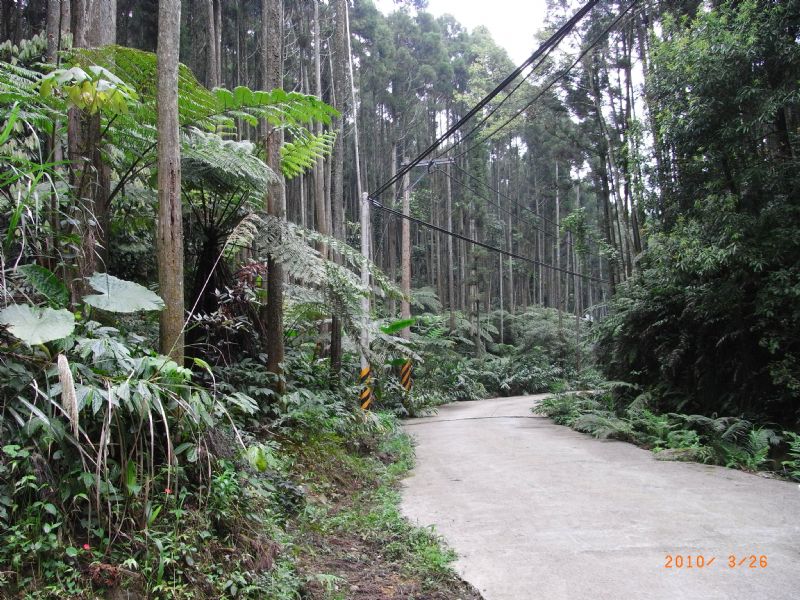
x,y
218,42
272,78
57,26
170,219
211,45
58,18
339,70
320,214
94,25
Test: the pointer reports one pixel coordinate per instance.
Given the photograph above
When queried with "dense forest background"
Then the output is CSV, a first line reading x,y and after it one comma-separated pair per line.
x,y
634,193
673,200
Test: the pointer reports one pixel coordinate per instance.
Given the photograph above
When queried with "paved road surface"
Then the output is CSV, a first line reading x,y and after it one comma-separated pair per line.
x,y
536,510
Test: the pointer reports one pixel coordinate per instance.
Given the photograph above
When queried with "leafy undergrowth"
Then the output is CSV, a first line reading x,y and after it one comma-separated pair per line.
x,y
728,441
303,514
351,540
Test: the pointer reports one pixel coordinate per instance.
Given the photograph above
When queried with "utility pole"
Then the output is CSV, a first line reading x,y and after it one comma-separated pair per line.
x,y
355,106
500,256
365,301
405,257
451,290
557,272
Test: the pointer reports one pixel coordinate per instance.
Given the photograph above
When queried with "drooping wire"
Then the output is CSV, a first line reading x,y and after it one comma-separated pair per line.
x,y
499,193
490,201
475,242
505,210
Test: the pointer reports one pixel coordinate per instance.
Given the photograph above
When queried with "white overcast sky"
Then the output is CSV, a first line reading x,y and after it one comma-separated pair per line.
x,y
512,23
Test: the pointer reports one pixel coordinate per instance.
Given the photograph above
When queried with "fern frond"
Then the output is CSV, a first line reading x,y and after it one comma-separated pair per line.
x,y
300,153
426,299
224,165
603,426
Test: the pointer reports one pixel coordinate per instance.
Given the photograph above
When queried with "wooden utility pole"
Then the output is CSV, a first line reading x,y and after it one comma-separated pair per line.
x,y
451,289
474,300
576,284
365,301
339,98
557,250
354,104
170,218
405,256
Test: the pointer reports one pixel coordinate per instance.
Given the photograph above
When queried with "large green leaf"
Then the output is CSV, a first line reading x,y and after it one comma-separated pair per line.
x,y
35,325
394,327
118,295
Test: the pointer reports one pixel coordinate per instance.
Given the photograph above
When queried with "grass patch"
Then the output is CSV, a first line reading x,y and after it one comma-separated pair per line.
x,y
353,541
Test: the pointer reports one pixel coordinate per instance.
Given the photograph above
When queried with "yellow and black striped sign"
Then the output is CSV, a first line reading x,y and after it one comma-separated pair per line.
x,y
405,376
366,395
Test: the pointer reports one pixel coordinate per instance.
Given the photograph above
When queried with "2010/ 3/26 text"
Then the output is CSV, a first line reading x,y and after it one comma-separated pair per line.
x,y
700,561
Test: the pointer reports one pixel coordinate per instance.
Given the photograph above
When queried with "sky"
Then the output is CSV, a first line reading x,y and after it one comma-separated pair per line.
x,y
512,23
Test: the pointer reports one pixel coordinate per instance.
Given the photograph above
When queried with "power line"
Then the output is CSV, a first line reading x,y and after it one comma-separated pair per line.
x,y
509,198
397,213
505,210
551,83
490,201
480,123
563,30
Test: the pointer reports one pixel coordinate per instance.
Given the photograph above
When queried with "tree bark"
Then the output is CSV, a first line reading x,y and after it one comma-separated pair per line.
x,y
339,71
170,219
320,214
218,42
94,25
272,77
58,18
211,45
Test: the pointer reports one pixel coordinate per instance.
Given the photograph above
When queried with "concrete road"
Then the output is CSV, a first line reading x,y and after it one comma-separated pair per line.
x,y
536,510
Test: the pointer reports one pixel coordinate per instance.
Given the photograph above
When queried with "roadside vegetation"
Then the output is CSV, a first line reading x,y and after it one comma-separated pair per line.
x,y
732,442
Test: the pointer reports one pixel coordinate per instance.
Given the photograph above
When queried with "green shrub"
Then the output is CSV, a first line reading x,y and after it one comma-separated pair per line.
x,y
792,466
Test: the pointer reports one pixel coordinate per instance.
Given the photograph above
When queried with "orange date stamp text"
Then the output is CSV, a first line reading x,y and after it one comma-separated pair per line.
x,y
703,561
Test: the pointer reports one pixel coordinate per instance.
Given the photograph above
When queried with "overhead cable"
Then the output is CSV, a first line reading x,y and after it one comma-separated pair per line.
x,y
544,47
551,83
505,210
474,242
